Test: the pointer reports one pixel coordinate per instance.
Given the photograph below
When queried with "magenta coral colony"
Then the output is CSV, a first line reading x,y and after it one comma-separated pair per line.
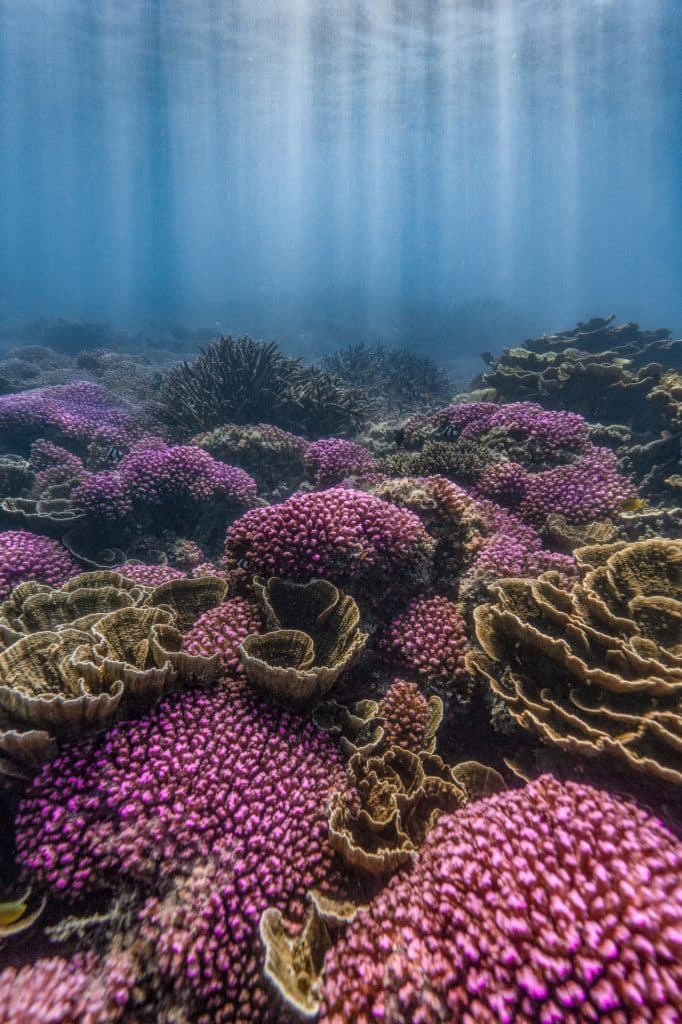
x,y
369,715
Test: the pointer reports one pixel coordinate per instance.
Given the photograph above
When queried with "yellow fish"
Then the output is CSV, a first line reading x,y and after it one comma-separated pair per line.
x,y
632,505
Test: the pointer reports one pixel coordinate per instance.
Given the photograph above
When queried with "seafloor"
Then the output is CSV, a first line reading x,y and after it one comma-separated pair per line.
x,y
325,694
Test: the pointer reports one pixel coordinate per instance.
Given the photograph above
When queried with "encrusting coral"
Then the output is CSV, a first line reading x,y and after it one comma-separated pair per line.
x,y
597,669
553,903
313,636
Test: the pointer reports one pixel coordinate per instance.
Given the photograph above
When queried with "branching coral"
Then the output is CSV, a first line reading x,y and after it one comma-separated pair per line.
x,y
597,669
215,806
341,534
429,639
223,629
244,381
274,457
410,720
331,460
393,378
26,556
551,903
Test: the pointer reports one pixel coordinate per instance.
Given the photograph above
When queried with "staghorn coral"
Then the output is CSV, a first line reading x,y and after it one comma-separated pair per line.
x,y
571,909
74,413
392,378
410,720
313,638
214,806
599,669
244,381
332,459
223,629
26,556
429,639
344,535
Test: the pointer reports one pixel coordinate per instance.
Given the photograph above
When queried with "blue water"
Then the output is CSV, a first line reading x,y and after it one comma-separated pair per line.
x,y
325,170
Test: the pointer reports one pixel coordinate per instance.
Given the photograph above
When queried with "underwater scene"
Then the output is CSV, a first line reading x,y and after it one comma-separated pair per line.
x,y
340,512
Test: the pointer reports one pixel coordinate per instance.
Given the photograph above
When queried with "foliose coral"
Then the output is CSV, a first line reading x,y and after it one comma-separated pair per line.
x,y
27,556
342,534
597,669
332,459
570,910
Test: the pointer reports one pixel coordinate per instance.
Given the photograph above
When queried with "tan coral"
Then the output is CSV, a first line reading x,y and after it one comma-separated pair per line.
x,y
189,598
314,638
599,670
359,729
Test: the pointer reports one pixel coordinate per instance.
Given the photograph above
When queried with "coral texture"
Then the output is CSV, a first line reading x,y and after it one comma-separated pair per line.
x,y
332,459
26,556
410,720
597,669
148,575
80,411
429,639
340,533
570,910
218,806
223,629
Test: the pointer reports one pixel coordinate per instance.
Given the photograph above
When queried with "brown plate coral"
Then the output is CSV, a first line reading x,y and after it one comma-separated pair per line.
x,y
597,670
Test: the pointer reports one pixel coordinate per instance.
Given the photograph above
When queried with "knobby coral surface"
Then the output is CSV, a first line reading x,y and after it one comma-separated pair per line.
x,y
429,639
552,903
597,669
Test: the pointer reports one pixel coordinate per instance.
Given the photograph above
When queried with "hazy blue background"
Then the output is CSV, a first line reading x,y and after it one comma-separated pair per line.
x,y
325,170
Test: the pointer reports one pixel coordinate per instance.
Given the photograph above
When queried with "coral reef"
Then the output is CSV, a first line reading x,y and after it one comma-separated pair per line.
x,y
25,556
244,381
344,535
313,637
410,720
223,629
216,806
391,378
429,640
274,457
598,669
75,414
571,909
331,460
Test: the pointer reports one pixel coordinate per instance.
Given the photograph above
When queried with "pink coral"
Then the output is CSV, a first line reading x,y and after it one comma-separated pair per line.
x,y
547,431
591,488
54,990
79,410
514,548
154,474
406,715
332,459
429,639
28,556
223,629
53,465
216,806
339,533
148,575
554,903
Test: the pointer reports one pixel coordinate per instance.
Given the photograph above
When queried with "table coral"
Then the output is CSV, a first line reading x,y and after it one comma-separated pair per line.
x,y
217,806
570,910
27,556
597,669
341,534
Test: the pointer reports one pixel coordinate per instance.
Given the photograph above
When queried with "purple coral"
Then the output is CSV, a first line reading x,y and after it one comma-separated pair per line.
x,y
217,806
338,533
588,489
429,639
549,432
54,990
223,629
553,903
148,575
514,548
154,474
80,410
28,556
332,459
54,465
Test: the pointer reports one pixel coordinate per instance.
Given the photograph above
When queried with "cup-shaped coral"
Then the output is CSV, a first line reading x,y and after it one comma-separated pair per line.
x,y
313,637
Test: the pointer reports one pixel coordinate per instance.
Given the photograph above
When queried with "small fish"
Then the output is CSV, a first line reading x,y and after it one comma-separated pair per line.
x,y
448,430
632,505
243,563
114,453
